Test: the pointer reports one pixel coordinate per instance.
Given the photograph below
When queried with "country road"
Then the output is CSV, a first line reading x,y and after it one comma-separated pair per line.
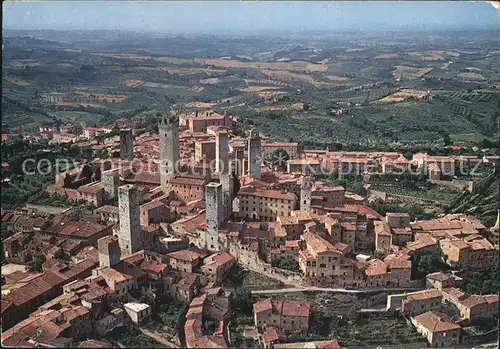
x,y
335,290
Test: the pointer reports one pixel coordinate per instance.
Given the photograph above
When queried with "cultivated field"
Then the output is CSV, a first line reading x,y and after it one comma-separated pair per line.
x,y
295,106
288,76
259,88
410,72
133,83
387,56
402,95
336,78
200,105
471,76
16,81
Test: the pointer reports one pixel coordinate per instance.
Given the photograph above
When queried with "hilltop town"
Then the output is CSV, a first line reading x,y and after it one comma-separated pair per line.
x,y
307,190
195,236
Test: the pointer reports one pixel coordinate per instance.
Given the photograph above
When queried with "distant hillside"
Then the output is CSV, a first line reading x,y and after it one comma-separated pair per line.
x,y
484,201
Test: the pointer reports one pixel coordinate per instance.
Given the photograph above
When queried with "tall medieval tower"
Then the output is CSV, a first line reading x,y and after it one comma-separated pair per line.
x,y
130,236
305,193
254,155
168,129
222,167
214,213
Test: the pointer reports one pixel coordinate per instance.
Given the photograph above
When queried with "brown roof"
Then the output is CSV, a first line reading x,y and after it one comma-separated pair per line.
x,y
151,205
376,267
317,243
92,188
107,209
272,194
435,322
284,307
439,276
382,228
425,294
185,255
188,180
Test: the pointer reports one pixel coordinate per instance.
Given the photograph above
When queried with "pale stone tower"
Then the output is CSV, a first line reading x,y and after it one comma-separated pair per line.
x,y
169,147
130,235
226,180
305,193
222,167
254,155
222,152
111,180
214,215
109,251
126,144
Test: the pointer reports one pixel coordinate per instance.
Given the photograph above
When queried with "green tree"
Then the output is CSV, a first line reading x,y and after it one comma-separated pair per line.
x,y
430,263
242,301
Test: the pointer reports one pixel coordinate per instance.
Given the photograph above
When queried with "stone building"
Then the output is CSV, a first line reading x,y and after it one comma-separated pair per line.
x,y
439,331
188,187
109,251
289,316
214,215
265,205
111,180
126,144
305,193
168,129
254,155
130,234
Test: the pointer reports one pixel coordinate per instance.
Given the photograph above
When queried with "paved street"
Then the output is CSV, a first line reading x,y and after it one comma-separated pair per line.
x,y
335,290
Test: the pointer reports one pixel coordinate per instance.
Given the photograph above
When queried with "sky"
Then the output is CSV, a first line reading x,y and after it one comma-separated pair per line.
x,y
246,16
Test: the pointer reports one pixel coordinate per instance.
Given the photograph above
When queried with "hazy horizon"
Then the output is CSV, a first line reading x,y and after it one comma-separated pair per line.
x,y
246,17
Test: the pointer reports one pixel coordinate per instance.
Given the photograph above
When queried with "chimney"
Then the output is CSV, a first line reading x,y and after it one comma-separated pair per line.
x,y
196,114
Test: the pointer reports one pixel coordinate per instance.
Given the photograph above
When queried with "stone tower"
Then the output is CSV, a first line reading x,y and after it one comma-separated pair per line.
x,y
222,152
226,180
214,215
254,155
222,166
111,180
168,129
130,235
305,193
126,144
109,251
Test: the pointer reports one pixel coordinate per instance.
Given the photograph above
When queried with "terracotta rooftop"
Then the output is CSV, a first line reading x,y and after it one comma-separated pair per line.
x,y
425,294
271,194
92,188
317,244
107,209
188,180
440,276
185,255
376,267
382,228
284,307
435,322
